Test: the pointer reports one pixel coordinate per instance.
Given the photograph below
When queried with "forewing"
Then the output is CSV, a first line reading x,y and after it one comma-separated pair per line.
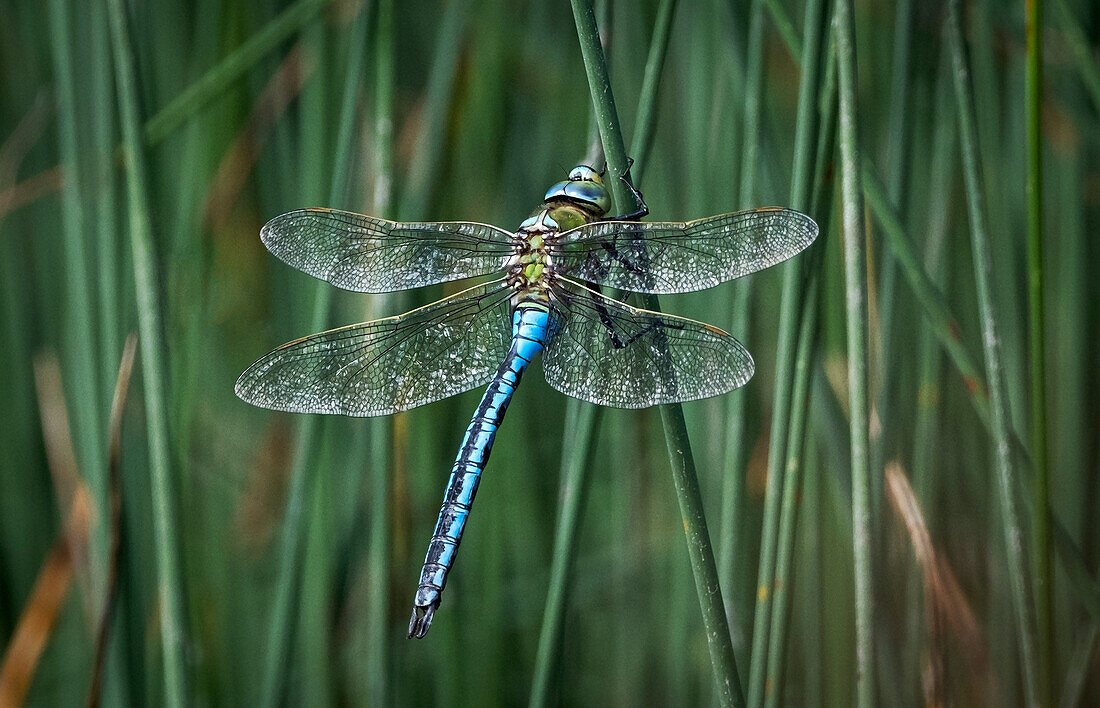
x,y
611,354
676,257
371,255
388,365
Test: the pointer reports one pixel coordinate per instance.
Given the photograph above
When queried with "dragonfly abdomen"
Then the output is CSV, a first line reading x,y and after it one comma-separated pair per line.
x,y
530,332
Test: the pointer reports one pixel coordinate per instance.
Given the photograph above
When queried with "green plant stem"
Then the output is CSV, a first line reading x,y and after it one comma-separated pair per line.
x,y
578,415
105,200
380,430
299,497
199,94
928,399
933,307
1041,548
646,120
582,418
999,418
146,280
897,146
734,473
1079,45
676,437
734,468
781,592
785,27
89,430
855,279
801,374
424,165
787,343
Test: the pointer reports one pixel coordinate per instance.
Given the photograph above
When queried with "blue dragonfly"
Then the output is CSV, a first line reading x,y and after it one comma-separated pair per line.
x,y
544,298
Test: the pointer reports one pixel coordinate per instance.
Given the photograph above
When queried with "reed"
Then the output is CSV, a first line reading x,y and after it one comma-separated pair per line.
x,y
146,279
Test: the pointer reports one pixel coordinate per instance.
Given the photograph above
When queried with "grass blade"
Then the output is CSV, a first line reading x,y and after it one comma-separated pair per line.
x,y
821,209
1041,545
672,416
380,429
583,418
196,96
791,305
855,279
999,414
147,282
299,497
89,428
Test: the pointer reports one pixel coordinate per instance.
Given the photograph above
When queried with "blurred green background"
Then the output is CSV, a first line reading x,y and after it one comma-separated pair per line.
x,y
286,570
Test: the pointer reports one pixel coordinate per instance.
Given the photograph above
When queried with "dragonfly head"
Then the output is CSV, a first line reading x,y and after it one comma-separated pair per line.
x,y
585,187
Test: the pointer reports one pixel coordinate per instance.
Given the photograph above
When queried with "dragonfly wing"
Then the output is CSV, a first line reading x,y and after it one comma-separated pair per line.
x,y
388,365
611,354
676,257
367,254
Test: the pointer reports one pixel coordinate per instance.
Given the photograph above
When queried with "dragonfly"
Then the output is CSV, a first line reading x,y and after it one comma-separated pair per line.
x,y
544,297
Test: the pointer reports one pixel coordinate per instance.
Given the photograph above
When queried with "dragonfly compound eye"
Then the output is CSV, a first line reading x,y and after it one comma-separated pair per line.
x,y
591,193
584,173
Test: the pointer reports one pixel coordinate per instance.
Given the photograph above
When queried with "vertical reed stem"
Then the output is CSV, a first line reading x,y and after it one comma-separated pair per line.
x,y
579,416
582,418
991,346
676,436
855,279
380,430
1042,547
299,497
146,280
790,308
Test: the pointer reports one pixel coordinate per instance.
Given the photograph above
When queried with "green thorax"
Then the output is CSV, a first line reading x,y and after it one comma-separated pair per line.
x,y
568,204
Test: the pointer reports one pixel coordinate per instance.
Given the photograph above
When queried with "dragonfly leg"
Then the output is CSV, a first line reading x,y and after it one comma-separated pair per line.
x,y
619,342
640,207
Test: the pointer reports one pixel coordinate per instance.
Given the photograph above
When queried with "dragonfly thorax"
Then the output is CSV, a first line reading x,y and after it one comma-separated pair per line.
x,y
529,266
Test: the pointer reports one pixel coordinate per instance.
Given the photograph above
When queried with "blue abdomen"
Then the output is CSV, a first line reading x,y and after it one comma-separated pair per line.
x,y
531,331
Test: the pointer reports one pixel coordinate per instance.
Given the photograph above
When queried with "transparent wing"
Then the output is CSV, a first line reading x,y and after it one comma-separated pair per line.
x,y
388,365
611,354
677,257
371,255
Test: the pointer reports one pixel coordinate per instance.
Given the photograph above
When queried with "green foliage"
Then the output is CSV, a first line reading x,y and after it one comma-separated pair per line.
x,y
273,558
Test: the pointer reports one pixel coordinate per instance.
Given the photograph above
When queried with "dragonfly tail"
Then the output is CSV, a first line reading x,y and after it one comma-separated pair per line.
x,y
421,620
529,335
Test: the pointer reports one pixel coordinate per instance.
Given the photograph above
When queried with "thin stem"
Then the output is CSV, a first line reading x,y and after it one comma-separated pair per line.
x,y
380,430
579,416
786,28
787,343
582,418
821,208
999,418
926,436
299,495
232,67
735,423
781,594
89,430
897,169
646,119
676,436
855,279
1078,44
1041,546
146,281
424,169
